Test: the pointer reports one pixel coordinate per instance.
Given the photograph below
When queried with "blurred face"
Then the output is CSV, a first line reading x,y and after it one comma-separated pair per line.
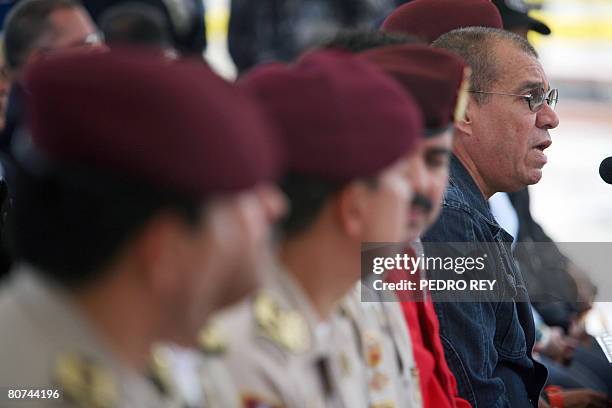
x,y
428,176
225,254
72,28
71,31
386,205
508,139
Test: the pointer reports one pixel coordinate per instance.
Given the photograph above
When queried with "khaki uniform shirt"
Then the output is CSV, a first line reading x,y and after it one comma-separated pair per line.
x,y
281,354
198,375
46,343
381,333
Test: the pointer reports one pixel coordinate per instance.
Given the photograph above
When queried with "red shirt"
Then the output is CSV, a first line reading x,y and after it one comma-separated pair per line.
x,y
438,384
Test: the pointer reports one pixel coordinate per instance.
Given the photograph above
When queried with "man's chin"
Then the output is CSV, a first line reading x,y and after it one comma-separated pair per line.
x,y
237,291
535,175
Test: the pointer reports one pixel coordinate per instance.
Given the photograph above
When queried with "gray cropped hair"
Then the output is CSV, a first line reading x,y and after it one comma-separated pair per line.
x,y
476,46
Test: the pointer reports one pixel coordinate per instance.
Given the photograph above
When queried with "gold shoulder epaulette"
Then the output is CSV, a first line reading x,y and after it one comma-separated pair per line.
x,y
287,328
159,371
211,339
84,382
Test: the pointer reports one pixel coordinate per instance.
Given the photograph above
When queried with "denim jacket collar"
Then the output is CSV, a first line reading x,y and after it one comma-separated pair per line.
x,y
473,198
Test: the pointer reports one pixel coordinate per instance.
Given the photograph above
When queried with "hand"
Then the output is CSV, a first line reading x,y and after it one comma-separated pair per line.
x,y
584,398
559,347
577,330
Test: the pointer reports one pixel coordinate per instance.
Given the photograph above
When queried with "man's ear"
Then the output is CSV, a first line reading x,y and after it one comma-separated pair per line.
x,y
351,206
162,249
464,125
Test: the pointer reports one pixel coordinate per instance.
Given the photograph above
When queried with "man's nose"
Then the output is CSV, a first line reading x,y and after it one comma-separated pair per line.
x,y
547,118
419,177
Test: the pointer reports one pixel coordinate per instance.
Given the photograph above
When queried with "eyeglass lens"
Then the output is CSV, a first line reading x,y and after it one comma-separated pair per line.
x,y
538,97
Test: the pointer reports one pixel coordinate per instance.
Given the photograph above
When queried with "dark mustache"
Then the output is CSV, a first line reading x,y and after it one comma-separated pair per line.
x,y
425,203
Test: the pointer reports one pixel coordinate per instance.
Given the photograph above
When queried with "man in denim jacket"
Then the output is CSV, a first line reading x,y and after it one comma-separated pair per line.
x,y
498,147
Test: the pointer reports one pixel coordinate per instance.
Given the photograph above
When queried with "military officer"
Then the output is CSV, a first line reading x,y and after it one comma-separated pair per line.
x,y
351,134
385,347
438,81
139,211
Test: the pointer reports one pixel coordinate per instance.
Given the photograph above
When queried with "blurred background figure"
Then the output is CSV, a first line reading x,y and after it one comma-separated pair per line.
x,y
515,14
170,24
38,27
269,30
134,24
429,19
33,29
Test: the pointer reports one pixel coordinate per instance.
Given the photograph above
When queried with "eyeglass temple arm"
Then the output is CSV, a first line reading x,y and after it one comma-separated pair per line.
x,y
502,93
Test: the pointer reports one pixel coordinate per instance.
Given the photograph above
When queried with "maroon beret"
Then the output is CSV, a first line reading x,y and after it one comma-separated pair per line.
x,y
341,118
432,18
435,78
169,124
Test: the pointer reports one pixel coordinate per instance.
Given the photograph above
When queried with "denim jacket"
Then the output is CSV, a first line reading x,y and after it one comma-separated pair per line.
x,y
487,344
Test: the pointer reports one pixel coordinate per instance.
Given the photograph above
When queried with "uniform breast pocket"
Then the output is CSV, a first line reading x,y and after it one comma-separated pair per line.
x,y
510,339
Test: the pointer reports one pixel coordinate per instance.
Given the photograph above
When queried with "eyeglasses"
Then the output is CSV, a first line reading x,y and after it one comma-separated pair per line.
x,y
535,98
93,39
